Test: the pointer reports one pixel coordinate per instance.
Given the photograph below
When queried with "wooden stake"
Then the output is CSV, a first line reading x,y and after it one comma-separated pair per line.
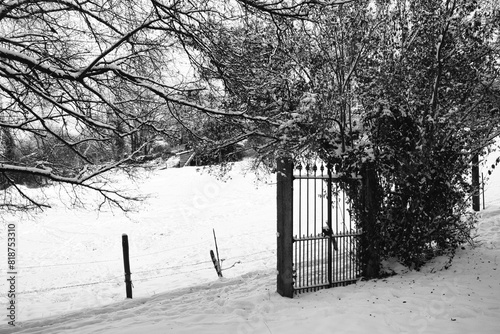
x,y
216,264
216,261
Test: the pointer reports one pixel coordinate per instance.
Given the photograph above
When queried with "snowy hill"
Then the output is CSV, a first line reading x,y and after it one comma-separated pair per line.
x,y
71,270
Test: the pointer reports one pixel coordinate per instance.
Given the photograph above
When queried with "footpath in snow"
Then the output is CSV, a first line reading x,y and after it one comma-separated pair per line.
x,y
462,299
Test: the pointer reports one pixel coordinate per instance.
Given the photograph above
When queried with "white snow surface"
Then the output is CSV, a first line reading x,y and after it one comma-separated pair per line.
x,y
70,270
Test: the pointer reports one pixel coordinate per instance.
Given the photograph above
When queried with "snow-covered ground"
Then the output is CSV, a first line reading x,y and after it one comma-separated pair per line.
x,y
70,276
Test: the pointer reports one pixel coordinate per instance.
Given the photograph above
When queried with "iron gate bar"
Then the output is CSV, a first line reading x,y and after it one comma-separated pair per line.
x,y
337,263
329,222
312,256
300,221
322,168
307,223
346,244
315,169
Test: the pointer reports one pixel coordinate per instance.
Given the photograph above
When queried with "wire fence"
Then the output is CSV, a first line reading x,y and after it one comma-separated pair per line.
x,y
114,280
207,266
119,259
64,287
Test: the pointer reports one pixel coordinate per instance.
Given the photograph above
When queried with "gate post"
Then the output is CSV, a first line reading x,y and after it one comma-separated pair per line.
x,y
284,201
369,252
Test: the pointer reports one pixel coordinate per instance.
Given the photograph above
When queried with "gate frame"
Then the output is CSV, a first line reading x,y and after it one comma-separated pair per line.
x,y
285,239
284,234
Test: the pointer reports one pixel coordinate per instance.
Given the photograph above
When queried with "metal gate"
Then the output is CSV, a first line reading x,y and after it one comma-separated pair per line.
x,y
324,238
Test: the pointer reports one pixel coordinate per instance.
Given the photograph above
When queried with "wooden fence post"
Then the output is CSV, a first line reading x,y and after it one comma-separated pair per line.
x,y
482,189
475,183
284,203
126,262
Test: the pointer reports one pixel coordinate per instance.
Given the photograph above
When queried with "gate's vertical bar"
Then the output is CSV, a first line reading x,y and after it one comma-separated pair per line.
x,y
338,259
321,266
294,265
351,238
346,232
309,273
324,258
345,239
356,237
349,244
299,246
329,205
304,276
315,260
322,244
351,233
285,227
341,241
308,214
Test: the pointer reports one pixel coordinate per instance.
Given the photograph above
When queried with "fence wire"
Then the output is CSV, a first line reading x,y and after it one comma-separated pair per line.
x,y
119,279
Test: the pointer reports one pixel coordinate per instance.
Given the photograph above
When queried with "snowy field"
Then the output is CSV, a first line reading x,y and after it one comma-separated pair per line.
x,y
70,270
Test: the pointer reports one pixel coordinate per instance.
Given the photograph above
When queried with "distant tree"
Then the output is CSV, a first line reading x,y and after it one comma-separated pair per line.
x,y
89,78
60,66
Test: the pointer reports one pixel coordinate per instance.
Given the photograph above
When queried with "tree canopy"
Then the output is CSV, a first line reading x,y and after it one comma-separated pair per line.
x,y
403,93
86,86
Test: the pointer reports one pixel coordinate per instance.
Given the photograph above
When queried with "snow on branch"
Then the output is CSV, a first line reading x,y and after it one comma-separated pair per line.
x,y
288,9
